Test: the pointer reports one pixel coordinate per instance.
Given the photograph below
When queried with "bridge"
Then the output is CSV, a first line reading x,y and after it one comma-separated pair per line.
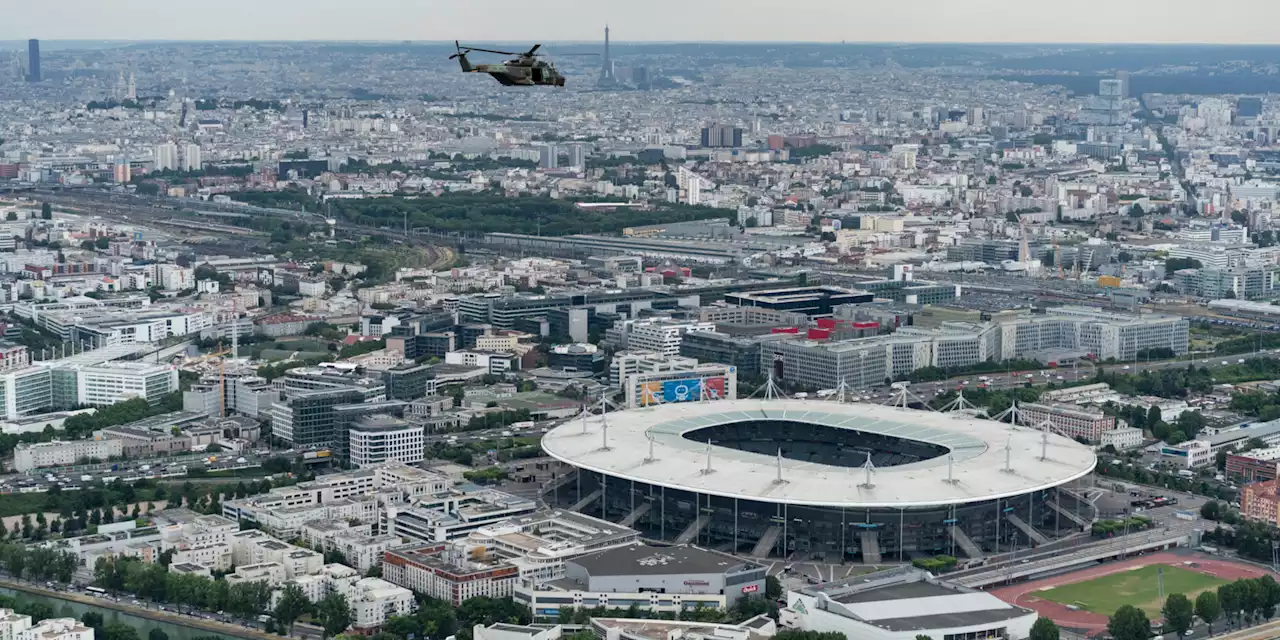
x,y
1061,560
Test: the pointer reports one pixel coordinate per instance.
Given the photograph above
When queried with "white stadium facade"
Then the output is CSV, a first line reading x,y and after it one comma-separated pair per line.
x,y
774,477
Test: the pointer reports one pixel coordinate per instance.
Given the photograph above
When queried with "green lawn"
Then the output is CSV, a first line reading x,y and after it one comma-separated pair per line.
x,y
1137,587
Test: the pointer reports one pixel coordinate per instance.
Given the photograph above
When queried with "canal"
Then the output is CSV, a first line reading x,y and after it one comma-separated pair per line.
x,y
69,609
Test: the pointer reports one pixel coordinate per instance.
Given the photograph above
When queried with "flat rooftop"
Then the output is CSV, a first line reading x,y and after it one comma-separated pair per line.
x,y
639,559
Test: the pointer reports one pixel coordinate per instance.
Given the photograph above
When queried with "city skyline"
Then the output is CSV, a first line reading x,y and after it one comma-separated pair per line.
x,y
981,21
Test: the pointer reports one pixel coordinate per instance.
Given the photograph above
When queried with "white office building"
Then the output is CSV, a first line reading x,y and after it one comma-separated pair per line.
x,y
63,453
112,382
378,438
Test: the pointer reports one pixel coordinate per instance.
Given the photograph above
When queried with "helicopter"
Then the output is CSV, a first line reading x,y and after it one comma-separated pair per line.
x,y
524,70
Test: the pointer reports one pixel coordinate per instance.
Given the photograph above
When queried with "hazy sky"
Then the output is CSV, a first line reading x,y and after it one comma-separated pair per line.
x,y
1221,21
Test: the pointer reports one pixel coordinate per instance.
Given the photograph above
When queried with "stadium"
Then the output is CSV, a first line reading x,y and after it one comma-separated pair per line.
x,y
843,482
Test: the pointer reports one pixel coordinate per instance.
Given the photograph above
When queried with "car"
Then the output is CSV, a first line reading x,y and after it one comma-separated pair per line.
x,y
1126,367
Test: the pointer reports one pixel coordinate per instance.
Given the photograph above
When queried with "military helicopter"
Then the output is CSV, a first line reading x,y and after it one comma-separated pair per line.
x,y
524,70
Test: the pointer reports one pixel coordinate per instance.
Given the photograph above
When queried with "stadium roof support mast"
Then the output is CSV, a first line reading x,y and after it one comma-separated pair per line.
x,y
959,403
902,398
779,480
708,470
1008,455
1013,413
868,468
951,469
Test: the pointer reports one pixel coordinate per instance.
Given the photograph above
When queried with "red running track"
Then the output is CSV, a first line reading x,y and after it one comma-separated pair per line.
x,y
1023,594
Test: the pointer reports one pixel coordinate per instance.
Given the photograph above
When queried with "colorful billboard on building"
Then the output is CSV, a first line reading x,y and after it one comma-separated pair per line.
x,y
650,393
713,388
682,390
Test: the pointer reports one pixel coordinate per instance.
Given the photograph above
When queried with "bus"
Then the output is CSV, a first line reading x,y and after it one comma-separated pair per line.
x,y
97,591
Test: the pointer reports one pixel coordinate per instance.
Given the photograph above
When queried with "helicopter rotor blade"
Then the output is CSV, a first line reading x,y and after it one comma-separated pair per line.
x,y
505,53
533,52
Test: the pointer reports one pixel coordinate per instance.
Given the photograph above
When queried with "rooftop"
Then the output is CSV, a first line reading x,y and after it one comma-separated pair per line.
x,y
977,449
639,559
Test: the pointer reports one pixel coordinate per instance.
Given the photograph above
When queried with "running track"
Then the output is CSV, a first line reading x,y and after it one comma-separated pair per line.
x,y
1023,594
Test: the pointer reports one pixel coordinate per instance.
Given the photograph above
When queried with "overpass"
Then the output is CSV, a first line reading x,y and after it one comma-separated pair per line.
x,y
1059,561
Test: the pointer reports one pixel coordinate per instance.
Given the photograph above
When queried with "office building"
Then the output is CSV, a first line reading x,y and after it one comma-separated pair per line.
x,y
449,572
453,514
307,419
1256,465
819,301
112,382
33,61
1073,421
377,438
63,453
583,358
1121,439
741,352
540,543
409,381
719,135
663,336
1090,331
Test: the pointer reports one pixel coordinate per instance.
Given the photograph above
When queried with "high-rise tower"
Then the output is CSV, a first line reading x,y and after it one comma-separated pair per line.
x,y
606,71
33,60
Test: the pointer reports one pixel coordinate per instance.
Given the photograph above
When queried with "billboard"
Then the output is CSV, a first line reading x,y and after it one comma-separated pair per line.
x,y
713,388
682,390
651,393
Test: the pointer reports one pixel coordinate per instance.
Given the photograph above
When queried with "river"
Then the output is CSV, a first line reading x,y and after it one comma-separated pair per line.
x,y
69,609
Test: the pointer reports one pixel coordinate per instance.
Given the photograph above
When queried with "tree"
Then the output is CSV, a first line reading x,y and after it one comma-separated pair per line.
x,y
1178,613
1044,629
119,631
1136,211
11,216
1211,510
1208,608
1153,416
93,620
1129,623
157,634
46,211
293,603
334,613
772,588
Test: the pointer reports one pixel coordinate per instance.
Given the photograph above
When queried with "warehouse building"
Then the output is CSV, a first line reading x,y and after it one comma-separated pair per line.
x,y
904,604
656,579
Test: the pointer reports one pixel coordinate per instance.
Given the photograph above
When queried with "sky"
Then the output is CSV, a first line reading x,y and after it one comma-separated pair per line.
x,y
1106,21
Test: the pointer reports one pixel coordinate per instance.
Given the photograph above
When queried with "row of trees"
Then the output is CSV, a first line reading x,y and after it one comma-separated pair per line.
x,y
1244,601
154,582
332,612
37,563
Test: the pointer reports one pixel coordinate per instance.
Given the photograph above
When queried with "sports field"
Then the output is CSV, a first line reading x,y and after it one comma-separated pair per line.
x,y
1137,587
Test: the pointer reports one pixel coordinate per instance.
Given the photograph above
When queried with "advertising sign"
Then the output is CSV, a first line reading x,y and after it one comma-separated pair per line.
x,y
714,388
651,393
682,390
751,588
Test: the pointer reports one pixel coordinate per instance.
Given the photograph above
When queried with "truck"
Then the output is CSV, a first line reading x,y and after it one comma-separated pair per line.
x,y
86,478
145,467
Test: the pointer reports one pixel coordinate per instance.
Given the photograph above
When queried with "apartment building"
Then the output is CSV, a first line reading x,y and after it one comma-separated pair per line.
x,y
450,572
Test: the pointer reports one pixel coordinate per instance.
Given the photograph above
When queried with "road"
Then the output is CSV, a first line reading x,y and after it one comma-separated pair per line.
x,y
1012,379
